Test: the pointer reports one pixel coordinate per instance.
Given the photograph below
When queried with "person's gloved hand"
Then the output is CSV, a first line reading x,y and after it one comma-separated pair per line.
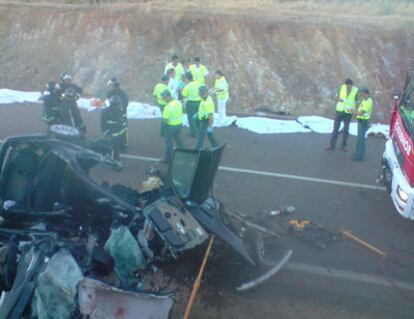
x,y
209,130
195,116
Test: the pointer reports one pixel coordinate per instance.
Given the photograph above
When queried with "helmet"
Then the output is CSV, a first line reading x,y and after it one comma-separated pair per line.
x,y
115,100
363,90
51,85
113,81
202,90
65,76
70,93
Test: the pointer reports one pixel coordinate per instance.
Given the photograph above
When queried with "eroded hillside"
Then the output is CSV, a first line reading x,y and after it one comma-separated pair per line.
x,y
281,61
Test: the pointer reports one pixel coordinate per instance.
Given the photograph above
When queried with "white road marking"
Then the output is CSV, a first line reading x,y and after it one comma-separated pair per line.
x,y
272,174
348,275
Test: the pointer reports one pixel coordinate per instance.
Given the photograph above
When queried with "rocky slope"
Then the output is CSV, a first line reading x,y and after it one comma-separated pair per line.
x,y
275,61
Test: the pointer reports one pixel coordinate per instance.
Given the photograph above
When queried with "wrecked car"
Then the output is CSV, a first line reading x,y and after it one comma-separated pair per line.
x,y
53,198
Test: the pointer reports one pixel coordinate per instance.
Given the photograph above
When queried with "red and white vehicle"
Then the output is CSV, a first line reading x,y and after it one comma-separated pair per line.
x,y
398,158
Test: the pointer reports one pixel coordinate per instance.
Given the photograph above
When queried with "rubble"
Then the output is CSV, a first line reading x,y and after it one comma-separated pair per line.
x,y
61,226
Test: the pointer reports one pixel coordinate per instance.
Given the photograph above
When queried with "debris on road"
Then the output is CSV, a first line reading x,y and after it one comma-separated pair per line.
x,y
61,215
317,235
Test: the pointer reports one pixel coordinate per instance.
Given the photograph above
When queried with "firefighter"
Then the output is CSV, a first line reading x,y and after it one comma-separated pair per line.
x,y
112,125
205,119
71,115
51,104
199,71
363,114
115,89
173,120
345,107
66,82
158,90
192,98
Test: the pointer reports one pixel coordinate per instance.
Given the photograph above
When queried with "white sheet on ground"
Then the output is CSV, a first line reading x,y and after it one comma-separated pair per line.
x,y
263,125
260,125
138,110
11,96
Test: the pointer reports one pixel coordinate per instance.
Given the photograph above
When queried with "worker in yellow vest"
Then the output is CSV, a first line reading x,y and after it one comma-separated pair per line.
x,y
177,66
192,97
157,93
199,71
345,107
221,89
172,116
363,114
205,119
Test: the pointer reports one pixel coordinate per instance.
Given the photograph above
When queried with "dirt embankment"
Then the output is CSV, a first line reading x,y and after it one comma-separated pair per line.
x,y
278,61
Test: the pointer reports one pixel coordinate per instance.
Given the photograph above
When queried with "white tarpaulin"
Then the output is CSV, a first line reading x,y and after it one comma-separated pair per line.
x,y
263,125
323,125
11,96
260,125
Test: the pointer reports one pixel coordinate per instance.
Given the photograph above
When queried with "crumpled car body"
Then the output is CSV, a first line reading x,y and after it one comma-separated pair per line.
x,y
43,178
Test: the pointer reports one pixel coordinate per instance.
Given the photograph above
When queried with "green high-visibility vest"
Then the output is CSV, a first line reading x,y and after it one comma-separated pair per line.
x,y
173,113
348,104
222,85
366,107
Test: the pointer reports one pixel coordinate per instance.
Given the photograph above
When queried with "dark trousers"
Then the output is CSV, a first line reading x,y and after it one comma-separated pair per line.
x,y
162,120
172,133
118,145
339,117
192,109
361,139
202,131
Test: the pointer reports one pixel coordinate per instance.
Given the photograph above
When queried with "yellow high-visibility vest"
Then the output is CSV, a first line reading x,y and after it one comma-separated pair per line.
x,y
179,70
348,104
366,107
222,85
206,108
173,113
190,91
199,73
158,90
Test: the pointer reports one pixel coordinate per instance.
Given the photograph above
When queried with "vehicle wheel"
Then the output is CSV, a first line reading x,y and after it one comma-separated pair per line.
x,y
65,133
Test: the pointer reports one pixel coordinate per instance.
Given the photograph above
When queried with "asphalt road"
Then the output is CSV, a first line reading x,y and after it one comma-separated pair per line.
x,y
369,213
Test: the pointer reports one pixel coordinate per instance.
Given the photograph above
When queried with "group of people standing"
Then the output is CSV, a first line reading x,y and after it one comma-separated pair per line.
x,y
352,102
60,107
178,88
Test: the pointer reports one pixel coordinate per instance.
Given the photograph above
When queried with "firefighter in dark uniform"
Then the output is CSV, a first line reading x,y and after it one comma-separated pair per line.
x,y
51,104
71,115
66,82
112,125
115,89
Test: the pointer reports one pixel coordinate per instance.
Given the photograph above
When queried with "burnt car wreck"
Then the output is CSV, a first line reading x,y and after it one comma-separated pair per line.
x,y
61,228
